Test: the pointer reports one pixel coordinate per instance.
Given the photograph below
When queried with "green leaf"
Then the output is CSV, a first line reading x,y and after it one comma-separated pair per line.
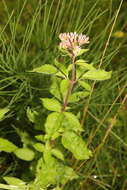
x,y
75,97
69,174
39,147
82,51
24,154
53,172
54,88
71,122
62,71
40,138
31,114
46,69
51,104
64,87
85,65
97,75
7,146
14,181
76,145
53,125
57,153
85,85
3,111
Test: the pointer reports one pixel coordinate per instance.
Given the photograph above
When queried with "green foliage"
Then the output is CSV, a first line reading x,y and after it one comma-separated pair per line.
x,y
24,154
71,122
77,96
15,181
51,104
85,85
45,69
53,172
39,147
75,144
82,51
84,64
3,111
7,146
97,75
31,115
53,125
51,136
57,153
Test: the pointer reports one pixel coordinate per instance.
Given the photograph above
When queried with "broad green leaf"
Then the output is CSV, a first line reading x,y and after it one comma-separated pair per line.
x,y
85,85
82,51
97,75
85,65
76,145
51,104
46,69
3,111
14,181
75,97
7,146
71,122
39,147
53,125
24,154
31,114
64,87
57,153
53,172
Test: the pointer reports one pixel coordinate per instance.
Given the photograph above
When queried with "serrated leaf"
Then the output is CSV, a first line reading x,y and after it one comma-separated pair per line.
x,y
39,147
71,122
76,145
51,104
64,87
24,154
3,111
85,85
14,181
7,146
31,114
85,65
57,153
45,69
82,51
53,125
75,97
97,75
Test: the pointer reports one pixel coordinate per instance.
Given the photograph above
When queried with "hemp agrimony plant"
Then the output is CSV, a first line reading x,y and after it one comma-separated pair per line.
x,y
62,128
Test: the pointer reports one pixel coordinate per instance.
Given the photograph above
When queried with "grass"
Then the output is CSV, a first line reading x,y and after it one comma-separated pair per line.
x,y
29,38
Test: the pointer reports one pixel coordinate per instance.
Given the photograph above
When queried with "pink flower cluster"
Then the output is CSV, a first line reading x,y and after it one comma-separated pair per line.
x,y
73,42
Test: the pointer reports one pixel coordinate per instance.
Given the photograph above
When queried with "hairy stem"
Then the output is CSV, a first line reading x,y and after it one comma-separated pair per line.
x,y
72,82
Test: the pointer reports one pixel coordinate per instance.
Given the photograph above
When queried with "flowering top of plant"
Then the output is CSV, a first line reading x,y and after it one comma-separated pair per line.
x,y
73,42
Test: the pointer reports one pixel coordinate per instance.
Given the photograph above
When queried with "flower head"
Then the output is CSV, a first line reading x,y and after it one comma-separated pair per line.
x,y
73,42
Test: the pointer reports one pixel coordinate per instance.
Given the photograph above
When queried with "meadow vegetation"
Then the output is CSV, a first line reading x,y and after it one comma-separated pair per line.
x,y
34,80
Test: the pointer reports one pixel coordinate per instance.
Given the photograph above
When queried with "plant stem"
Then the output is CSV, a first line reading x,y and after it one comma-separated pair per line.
x,y
71,85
